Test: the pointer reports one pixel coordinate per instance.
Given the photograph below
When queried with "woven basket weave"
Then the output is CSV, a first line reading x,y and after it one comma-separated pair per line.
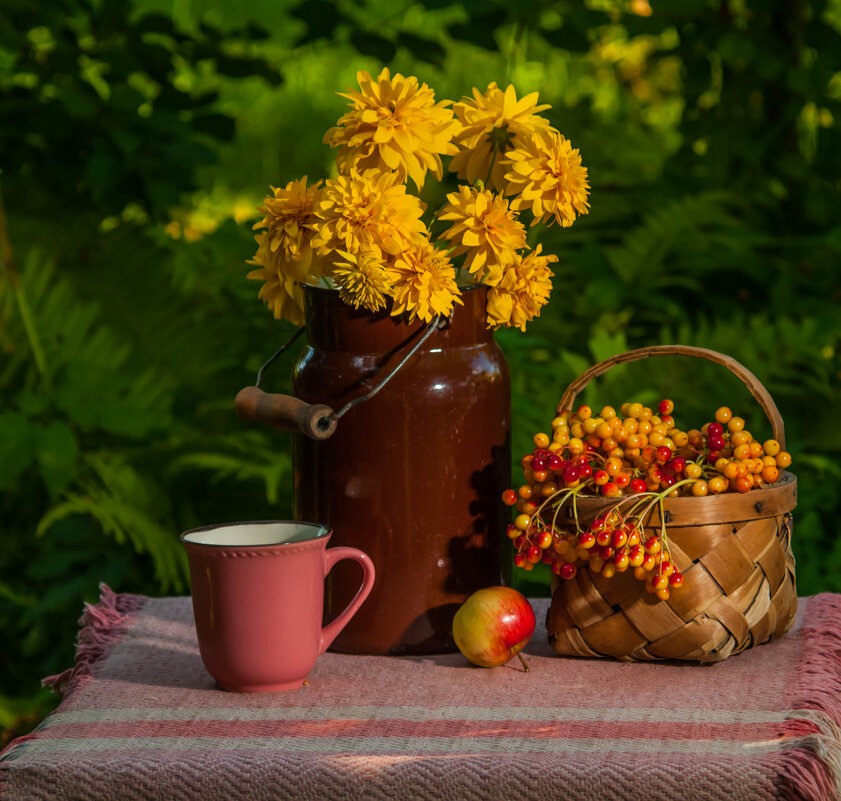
x,y
734,551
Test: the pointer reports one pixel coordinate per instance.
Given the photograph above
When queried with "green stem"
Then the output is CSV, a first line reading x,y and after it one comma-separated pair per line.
x,y
523,661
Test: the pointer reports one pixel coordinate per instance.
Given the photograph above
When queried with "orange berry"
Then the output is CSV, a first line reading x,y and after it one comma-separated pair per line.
x,y
541,440
742,452
718,484
783,459
735,424
731,470
635,410
525,491
723,414
659,582
663,594
744,484
607,412
700,489
770,474
584,412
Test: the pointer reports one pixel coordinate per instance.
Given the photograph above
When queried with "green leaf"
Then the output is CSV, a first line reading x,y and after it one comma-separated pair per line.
x,y
567,38
321,18
220,126
422,48
56,451
481,28
374,45
16,446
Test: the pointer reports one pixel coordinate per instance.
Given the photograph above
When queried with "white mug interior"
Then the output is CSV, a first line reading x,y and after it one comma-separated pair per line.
x,y
270,532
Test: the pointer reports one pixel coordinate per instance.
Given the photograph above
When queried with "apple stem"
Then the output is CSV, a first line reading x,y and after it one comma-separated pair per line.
x,y
525,664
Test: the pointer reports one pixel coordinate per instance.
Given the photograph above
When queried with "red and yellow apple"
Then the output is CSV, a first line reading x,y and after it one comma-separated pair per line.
x,y
493,625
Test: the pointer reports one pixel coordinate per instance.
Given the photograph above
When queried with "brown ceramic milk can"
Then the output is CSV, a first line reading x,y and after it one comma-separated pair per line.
x,y
412,475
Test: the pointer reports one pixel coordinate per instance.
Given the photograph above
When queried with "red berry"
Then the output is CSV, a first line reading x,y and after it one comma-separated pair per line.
x,y
585,471
606,552
520,560
610,490
637,485
538,464
715,430
568,570
534,554
554,462
604,536
622,480
664,453
600,477
676,579
586,539
570,474
509,497
619,538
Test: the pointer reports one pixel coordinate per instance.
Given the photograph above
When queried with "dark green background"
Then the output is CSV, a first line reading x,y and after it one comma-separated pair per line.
x,y
136,140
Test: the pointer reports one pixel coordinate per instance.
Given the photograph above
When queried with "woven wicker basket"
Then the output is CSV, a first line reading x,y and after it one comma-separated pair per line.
x,y
734,551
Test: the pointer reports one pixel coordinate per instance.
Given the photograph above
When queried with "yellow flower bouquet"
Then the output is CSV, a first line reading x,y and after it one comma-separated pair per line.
x,y
364,234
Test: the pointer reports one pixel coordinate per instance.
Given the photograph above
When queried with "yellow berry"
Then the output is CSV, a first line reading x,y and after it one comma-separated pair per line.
x,y
692,470
771,447
541,440
735,424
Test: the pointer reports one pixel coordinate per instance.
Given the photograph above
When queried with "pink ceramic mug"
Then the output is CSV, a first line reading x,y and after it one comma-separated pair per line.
x,y
258,591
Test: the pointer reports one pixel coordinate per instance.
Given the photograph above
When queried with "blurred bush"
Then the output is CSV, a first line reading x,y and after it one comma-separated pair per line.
x,y
136,141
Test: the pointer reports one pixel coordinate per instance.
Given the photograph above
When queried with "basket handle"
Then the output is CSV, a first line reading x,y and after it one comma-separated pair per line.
x,y
754,385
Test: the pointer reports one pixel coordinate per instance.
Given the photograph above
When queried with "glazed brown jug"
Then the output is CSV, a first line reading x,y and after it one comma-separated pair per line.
x,y
412,475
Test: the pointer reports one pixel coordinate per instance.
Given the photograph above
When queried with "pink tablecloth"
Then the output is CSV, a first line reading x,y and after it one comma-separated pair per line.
x,y
142,720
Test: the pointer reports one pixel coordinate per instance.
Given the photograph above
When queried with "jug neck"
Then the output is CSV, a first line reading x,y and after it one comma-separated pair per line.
x,y
334,325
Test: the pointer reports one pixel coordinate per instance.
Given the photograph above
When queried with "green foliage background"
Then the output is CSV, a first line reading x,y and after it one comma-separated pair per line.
x,y
136,140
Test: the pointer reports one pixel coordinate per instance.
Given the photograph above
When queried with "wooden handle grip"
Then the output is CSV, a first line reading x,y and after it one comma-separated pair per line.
x,y
285,412
754,385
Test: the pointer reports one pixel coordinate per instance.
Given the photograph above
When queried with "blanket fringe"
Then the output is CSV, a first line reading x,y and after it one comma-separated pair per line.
x,y
102,625
811,771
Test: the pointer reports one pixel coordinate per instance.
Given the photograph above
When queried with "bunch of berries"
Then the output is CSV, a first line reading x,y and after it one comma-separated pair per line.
x,y
639,458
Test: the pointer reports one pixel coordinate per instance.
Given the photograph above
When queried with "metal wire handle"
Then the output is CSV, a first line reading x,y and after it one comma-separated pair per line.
x,y
438,322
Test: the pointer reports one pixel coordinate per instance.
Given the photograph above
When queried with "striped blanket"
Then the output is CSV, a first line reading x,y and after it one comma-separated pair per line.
x,y
141,719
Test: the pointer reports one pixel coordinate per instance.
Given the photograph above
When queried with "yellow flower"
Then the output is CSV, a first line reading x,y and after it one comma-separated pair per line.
x,y
393,125
424,282
493,120
281,292
523,290
362,280
368,211
485,229
545,173
288,218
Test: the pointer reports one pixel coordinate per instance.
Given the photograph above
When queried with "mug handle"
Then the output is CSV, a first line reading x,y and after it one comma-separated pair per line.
x,y
331,556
